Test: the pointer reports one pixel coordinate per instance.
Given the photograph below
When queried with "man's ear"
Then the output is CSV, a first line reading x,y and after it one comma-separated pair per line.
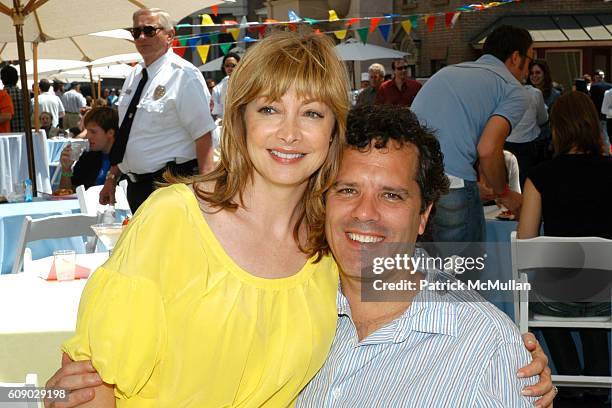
x,y
424,218
171,34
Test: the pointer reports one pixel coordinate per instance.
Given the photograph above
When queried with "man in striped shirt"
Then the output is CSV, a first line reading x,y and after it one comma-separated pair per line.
x,y
413,348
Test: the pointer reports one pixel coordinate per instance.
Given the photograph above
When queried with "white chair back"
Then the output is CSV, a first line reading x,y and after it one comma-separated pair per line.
x,y
89,200
530,256
30,381
56,226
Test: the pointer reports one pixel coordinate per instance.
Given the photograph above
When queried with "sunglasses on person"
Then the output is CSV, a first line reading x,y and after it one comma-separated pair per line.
x,y
148,30
402,68
230,65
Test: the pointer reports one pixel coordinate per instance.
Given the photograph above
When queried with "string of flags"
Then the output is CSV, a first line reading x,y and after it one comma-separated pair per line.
x,y
247,32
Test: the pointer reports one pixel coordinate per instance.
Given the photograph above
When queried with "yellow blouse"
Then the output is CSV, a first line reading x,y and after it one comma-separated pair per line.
x,y
172,321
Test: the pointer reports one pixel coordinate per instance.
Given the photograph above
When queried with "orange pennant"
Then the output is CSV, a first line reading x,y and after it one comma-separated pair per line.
x,y
215,10
373,23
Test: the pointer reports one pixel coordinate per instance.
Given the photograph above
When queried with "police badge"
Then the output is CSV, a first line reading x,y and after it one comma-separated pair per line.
x,y
160,91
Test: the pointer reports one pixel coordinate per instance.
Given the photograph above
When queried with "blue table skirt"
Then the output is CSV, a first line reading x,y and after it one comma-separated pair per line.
x,y
11,220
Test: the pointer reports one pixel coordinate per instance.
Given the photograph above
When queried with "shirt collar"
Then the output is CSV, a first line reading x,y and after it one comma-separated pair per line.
x,y
156,66
429,312
494,64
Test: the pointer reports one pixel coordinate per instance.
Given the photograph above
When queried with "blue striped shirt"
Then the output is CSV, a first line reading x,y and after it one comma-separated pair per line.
x,y
448,349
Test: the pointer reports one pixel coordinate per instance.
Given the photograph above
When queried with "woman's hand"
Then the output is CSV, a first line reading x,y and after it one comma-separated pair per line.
x,y
79,378
539,365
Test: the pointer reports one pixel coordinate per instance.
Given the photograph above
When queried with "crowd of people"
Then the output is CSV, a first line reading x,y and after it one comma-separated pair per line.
x,y
239,283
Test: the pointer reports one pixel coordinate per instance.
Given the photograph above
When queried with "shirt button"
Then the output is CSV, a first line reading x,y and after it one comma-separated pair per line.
x,y
336,393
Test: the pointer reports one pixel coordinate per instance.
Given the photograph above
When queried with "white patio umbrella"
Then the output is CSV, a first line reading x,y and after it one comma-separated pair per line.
x,y
38,21
210,66
353,50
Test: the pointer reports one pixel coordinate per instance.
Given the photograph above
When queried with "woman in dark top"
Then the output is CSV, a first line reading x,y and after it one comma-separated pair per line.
x,y
540,77
572,193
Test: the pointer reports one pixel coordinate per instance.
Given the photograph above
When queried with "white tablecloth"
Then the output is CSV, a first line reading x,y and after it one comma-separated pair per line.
x,y
37,316
14,161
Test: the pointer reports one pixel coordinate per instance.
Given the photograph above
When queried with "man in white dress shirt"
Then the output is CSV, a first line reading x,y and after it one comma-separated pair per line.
x,y
164,114
73,101
49,102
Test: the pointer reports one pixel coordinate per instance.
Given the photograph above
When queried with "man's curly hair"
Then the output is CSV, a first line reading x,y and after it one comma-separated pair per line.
x,y
380,123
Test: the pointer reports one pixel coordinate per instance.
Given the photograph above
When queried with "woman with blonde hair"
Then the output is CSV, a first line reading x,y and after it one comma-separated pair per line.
x,y
218,292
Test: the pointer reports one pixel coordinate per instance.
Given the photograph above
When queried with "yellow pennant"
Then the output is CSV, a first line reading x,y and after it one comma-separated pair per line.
x,y
203,51
341,34
425,18
407,25
234,32
207,20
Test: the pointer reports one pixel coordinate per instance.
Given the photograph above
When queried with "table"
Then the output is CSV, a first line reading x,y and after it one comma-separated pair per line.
x,y
38,316
499,258
11,220
14,161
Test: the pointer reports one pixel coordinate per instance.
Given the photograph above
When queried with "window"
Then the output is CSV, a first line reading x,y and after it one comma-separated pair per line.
x,y
565,66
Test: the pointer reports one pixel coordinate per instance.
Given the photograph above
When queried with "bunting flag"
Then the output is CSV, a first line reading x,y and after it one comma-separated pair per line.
x,y
384,31
214,38
407,26
262,31
234,32
215,10
373,23
225,47
192,42
178,49
351,22
203,52
248,39
311,21
182,42
431,22
340,34
270,21
414,21
448,18
292,27
363,34
207,20
294,18
455,18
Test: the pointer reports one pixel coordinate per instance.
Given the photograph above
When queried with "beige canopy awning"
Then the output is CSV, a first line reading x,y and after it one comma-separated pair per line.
x,y
579,30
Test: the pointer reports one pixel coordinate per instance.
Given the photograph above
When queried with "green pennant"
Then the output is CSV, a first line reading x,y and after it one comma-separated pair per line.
x,y
414,21
214,38
225,47
310,20
363,34
183,41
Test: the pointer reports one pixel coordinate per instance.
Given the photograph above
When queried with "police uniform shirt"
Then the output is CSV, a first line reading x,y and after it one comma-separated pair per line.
x,y
173,112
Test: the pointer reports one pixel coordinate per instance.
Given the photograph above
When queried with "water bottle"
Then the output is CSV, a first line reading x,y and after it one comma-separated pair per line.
x,y
28,191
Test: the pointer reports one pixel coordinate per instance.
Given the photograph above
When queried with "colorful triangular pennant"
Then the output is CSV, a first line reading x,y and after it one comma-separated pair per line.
x,y
293,17
215,10
207,20
351,22
431,22
203,51
384,31
414,21
178,48
407,26
340,34
373,23
234,32
225,47
363,34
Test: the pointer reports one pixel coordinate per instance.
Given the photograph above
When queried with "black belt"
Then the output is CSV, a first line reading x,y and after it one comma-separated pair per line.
x,y
183,169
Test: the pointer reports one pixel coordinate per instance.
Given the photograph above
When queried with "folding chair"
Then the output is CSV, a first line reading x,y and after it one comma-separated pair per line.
x,y
90,204
30,381
56,226
532,256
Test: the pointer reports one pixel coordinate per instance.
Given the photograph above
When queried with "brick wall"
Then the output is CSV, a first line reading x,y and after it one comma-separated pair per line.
x,y
454,45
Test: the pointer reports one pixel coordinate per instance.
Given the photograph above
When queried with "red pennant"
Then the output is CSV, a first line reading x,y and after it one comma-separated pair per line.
x,y
373,23
431,21
215,10
262,31
317,31
448,19
351,22
252,30
178,49
228,22
292,27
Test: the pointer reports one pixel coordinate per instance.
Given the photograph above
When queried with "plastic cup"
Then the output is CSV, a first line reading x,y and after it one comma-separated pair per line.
x,y
65,264
78,149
